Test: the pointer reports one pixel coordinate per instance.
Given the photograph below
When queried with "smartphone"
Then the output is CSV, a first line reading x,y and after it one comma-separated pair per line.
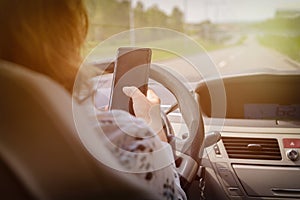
x,y
131,69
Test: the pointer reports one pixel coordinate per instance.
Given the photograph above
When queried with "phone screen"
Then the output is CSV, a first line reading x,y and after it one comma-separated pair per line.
x,y
131,69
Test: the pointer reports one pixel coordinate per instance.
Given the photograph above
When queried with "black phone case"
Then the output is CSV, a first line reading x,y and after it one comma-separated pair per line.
x,y
131,69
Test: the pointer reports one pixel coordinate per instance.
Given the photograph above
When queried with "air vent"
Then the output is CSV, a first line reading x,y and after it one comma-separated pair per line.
x,y
252,148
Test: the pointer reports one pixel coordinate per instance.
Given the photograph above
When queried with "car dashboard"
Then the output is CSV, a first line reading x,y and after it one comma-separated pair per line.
x,y
257,156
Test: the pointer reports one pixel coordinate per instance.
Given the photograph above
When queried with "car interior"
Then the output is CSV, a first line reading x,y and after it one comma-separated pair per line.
x,y
234,135
252,153
257,155
248,152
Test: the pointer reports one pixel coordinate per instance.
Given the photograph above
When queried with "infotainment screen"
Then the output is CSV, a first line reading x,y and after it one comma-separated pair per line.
x,y
272,111
274,97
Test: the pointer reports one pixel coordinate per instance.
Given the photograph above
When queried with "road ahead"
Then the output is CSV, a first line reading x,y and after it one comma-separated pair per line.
x,y
248,57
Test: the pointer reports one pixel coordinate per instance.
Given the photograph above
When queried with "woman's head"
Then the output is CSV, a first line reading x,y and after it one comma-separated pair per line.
x,y
44,35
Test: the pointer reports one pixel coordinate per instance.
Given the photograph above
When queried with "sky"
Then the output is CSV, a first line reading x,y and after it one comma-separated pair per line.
x,y
223,10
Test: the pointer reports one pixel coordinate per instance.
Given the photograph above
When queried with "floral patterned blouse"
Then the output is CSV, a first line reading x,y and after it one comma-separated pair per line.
x,y
141,152
134,144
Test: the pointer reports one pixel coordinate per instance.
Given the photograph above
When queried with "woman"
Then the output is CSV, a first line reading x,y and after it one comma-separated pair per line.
x,y
46,37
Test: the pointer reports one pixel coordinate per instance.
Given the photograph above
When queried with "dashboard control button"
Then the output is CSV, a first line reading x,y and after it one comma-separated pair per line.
x,y
291,143
217,150
228,178
292,154
221,166
234,191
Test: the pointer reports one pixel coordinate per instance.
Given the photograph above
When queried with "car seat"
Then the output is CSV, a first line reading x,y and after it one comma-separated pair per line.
x,y
41,156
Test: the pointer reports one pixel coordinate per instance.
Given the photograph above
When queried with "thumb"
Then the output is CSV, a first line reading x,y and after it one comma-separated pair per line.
x,y
152,97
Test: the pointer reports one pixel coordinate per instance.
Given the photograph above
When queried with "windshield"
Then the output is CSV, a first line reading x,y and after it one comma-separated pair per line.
x,y
239,36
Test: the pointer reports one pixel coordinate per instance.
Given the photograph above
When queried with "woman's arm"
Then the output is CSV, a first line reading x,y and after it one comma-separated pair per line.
x,y
147,108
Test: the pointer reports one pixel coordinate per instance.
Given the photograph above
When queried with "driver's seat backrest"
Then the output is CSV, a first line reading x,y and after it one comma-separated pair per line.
x,y
41,154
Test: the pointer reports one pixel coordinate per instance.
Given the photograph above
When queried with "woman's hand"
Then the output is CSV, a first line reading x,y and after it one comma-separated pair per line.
x,y
147,108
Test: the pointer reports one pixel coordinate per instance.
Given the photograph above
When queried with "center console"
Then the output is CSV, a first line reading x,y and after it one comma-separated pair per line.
x,y
254,162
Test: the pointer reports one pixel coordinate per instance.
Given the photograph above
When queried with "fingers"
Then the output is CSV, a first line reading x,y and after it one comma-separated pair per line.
x,y
132,92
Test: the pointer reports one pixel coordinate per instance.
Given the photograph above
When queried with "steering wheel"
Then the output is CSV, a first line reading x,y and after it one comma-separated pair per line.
x,y
187,149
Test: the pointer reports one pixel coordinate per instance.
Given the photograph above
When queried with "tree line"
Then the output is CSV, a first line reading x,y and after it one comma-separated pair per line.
x,y
108,17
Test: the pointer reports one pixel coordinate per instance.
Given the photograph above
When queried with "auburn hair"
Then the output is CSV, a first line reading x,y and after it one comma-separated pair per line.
x,y
44,35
